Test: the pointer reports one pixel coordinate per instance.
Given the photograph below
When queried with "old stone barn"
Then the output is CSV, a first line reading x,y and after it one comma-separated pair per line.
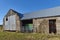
x,y
43,21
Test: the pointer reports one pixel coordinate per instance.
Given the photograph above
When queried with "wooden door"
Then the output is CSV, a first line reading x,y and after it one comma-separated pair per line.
x,y
52,26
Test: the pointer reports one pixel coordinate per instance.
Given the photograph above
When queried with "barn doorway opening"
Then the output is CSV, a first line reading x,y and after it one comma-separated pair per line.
x,y
52,26
27,26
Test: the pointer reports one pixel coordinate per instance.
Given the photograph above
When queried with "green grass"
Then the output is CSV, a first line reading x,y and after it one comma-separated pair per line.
x,y
1,28
27,36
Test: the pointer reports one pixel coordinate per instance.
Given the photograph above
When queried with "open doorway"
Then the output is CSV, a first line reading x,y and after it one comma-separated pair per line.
x,y
52,26
27,26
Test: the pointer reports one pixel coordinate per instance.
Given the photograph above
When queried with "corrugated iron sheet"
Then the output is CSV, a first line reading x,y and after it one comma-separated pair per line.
x,y
42,13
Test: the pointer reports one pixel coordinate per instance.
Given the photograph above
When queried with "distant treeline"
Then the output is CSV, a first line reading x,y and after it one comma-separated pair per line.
x,y
1,25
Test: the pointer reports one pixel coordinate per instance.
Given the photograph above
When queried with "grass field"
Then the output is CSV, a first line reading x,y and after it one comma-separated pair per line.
x,y
1,28
26,36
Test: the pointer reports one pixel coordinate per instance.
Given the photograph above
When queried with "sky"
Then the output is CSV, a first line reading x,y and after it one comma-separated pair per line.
x,y
24,6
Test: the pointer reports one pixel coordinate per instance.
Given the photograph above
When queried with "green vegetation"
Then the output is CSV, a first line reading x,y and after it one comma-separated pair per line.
x,y
1,28
1,25
27,36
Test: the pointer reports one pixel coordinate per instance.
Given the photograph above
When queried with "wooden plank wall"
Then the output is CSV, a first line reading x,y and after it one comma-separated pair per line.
x,y
58,25
18,23
42,25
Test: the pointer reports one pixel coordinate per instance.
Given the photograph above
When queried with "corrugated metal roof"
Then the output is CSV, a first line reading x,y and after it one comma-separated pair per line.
x,y
42,13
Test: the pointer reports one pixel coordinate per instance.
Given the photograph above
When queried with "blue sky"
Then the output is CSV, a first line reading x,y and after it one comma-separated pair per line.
x,y
24,6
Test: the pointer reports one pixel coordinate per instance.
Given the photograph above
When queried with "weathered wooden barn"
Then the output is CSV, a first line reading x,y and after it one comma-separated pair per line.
x,y
44,21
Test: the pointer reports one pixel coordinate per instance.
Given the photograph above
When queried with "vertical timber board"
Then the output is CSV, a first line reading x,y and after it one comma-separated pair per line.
x,y
12,22
58,25
46,26
18,25
6,24
34,25
37,25
51,18
3,23
42,25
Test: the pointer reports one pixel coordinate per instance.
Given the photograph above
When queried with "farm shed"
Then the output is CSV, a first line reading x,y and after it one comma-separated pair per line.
x,y
43,21
11,21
